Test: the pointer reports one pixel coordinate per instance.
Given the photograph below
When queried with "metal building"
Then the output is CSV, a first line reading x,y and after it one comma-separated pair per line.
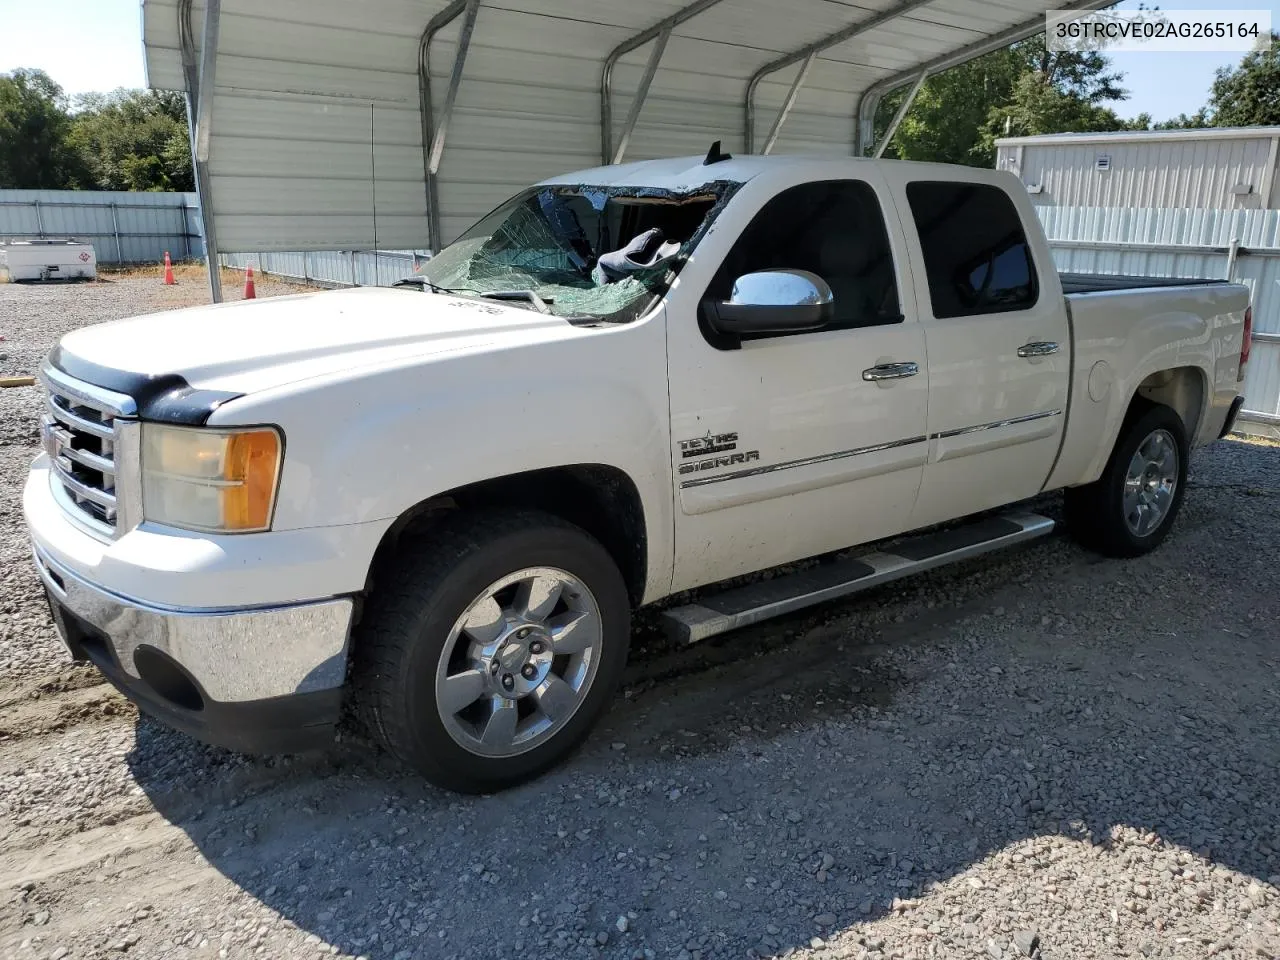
x,y
1169,203
1227,168
327,125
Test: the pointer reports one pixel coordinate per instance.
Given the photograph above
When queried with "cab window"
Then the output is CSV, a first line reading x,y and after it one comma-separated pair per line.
x,y
976,254
833,228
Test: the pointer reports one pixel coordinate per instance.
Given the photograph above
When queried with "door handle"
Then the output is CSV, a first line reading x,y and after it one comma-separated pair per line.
x,y
891,371
1042,348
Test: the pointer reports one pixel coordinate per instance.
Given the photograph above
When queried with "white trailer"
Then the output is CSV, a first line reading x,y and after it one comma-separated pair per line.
x,y
47,260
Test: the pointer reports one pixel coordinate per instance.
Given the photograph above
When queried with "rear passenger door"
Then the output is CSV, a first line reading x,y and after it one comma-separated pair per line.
x,y
998,342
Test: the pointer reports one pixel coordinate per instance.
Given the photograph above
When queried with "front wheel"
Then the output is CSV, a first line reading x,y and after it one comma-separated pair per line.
x,y
1130,509
492,649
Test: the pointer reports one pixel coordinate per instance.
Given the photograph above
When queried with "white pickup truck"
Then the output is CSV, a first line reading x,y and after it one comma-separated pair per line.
x,y
439,504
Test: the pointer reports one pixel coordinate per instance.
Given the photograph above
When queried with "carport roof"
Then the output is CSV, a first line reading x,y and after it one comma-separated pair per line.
x,y
312,137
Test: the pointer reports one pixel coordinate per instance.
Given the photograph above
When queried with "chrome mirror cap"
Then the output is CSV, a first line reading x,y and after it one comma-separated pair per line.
x,y
781,288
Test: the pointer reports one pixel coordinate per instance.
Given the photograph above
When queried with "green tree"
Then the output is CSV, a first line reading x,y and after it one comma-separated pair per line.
x,y
1039,106
946,118
133,140
34,123
1025,88
1185,121
1248,94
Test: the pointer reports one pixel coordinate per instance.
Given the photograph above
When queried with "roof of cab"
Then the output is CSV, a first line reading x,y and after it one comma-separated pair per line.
x,y
681,174
684,173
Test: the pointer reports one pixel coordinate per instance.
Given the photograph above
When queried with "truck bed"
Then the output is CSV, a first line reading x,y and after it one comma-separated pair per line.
x,y
1100,283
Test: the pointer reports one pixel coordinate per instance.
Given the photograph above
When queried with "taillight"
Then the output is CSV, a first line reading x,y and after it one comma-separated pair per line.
x,y
1246,342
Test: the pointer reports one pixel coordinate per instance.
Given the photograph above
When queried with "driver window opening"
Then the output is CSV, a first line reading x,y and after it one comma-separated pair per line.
x,y
834,229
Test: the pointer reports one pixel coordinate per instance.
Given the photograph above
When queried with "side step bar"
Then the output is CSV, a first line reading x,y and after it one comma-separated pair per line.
x,y
742,606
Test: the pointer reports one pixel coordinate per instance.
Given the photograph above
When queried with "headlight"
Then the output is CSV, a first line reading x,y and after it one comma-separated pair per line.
x,y
215,480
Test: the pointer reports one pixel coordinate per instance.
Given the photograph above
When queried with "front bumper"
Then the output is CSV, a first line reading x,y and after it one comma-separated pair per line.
x,y
261,680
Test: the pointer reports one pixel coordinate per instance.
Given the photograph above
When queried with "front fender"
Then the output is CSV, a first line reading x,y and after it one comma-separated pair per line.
x,y
373,443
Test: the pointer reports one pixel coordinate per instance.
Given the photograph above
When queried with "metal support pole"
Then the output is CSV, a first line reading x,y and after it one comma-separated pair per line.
x,y
666,24
200,81
864,127
902,112
208,73
39,219
1233,251
455,81
787,104
808,51
432,148
115,229
642,91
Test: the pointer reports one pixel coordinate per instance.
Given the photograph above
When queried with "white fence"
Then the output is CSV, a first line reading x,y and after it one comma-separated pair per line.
x,y
123,227
1153,242
334,268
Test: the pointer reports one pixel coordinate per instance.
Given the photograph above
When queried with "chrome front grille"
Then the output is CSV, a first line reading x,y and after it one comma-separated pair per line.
x,y
82,431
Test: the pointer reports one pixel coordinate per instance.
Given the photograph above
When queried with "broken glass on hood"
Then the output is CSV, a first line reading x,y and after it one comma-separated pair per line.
x,y
583,252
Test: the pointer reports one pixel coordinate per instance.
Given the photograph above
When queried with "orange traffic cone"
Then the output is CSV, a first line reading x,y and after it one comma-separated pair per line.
x,y
250,293
168,271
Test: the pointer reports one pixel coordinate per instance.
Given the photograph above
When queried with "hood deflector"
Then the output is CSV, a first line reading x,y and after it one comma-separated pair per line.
x,y
167,398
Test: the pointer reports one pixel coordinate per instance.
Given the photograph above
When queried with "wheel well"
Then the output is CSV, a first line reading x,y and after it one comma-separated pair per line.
x,y
1182,389
600,499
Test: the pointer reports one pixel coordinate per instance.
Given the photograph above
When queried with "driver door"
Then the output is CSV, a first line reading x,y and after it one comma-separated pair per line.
x,y
788,446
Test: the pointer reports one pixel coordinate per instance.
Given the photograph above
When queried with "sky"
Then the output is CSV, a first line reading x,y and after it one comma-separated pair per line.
x,y
1164,84
88,45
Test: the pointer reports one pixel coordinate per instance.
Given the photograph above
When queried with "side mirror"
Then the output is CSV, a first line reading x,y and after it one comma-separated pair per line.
x,y
773,302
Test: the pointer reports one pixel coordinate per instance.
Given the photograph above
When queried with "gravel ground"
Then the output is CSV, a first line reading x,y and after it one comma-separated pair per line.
x,y
1038,753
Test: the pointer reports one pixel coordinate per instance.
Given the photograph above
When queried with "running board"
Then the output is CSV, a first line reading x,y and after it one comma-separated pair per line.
x,y
742,606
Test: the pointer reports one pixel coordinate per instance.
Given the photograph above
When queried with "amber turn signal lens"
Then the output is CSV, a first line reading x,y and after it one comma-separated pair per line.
x,y
252,460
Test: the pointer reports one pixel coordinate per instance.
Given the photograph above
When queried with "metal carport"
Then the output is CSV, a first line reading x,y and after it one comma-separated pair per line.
x,y
323,125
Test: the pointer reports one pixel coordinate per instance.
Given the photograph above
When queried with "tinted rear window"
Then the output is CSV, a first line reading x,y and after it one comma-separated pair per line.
x,y
976,254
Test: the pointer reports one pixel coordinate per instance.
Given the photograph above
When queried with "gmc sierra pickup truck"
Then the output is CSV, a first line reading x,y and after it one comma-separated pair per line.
x,y
438,505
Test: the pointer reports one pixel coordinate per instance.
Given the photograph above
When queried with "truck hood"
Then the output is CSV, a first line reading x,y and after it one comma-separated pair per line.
x,y
249,346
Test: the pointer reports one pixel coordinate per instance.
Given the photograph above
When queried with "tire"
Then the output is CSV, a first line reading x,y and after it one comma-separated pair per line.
x,y
415,658
1117,516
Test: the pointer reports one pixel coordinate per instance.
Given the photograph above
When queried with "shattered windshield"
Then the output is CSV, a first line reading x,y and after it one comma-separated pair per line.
x,y
602,253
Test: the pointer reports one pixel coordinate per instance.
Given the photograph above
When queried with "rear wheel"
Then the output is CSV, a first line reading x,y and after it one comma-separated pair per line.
x,y
1130,509
492,649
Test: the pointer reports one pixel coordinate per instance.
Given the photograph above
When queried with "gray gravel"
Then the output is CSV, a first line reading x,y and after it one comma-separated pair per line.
x,y
1040,753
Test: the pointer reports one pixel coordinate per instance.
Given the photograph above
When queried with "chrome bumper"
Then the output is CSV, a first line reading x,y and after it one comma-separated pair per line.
x,y
234,656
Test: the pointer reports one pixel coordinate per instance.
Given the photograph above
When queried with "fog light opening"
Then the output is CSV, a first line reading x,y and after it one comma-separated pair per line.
x,y
166,678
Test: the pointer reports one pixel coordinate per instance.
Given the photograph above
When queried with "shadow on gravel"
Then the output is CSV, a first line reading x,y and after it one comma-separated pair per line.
x,y
742,805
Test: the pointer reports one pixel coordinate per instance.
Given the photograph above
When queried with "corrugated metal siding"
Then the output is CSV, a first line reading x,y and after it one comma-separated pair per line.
x,y
123,227
1098,237
1157,173
333,268
1253,228
318,100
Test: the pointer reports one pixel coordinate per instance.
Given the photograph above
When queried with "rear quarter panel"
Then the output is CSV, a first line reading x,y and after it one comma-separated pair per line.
x,y
1121,338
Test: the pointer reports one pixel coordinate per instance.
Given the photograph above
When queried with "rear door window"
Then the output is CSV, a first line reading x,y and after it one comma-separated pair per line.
x,y
976,254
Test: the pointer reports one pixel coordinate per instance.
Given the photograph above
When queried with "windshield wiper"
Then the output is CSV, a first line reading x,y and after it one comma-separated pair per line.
x,y
420,281
529,296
